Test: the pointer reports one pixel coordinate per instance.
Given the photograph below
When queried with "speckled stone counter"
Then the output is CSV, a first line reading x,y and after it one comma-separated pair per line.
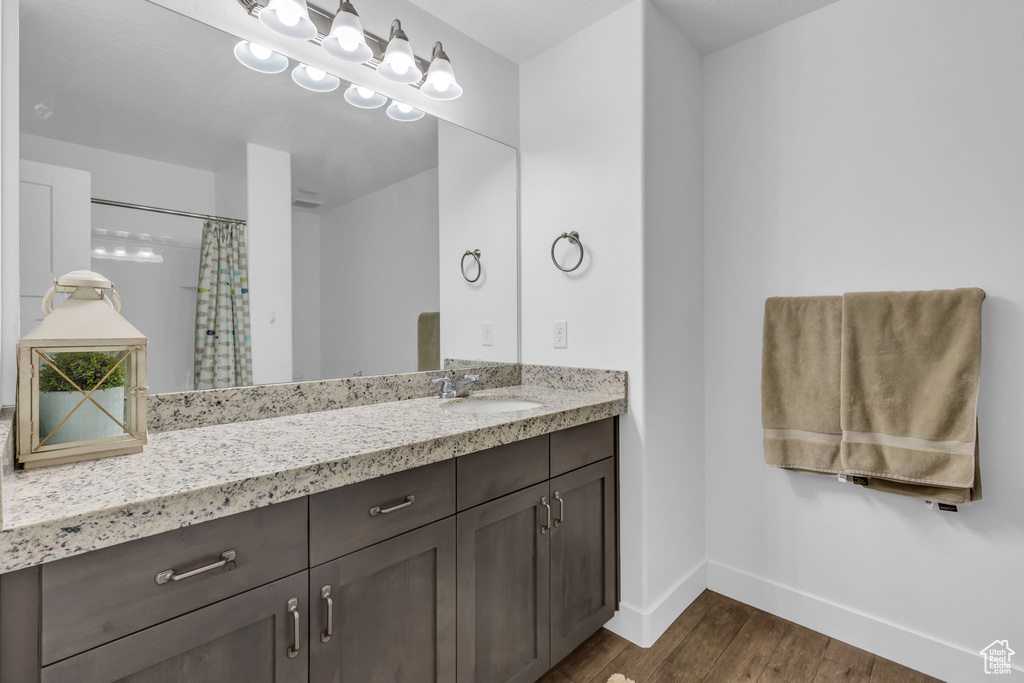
x,y
195,475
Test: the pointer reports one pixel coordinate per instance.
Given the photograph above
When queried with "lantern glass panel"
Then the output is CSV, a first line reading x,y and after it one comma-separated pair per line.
x,y
84,395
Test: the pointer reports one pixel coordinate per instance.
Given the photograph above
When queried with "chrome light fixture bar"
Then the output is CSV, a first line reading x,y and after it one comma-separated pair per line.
x,y
323,21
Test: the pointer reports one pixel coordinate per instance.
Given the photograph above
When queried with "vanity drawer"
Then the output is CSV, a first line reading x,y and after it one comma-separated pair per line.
x,y
353,517
578,446
91,599
492,473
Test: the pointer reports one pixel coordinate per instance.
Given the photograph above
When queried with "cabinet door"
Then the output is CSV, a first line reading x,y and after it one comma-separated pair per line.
x,y
503,589
583,555
257,637
390,611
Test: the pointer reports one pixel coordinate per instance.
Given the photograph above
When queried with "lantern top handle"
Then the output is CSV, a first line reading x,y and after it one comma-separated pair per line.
x,y
82,278
82,284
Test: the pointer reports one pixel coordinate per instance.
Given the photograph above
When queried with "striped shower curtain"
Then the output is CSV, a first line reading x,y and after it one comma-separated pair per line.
x,y
223,355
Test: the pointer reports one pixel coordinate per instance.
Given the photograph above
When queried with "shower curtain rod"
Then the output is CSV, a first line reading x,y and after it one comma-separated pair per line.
x,y
172,212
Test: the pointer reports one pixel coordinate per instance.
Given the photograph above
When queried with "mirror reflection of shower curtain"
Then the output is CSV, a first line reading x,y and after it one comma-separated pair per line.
x,y
223,356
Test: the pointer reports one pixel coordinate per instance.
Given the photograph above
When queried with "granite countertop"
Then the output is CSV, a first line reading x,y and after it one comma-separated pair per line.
x,y
196,475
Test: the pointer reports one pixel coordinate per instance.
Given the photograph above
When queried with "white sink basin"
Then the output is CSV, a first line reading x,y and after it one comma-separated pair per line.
x,y
488,405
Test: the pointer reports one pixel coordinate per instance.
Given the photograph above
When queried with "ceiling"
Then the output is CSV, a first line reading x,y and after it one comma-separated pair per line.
x,y
522,29
139,79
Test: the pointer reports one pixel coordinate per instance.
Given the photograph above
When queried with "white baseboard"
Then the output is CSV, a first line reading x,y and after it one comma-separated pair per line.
x,y
644,627
938,658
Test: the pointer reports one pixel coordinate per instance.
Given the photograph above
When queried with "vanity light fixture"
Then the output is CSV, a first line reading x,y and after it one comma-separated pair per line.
x,y
440,83
347,41
400,111
289,18
364,98
341,35
259,58
399,63
312,78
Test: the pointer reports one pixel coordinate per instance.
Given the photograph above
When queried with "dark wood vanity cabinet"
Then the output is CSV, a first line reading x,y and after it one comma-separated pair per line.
x,y
488,568
387,612
259,635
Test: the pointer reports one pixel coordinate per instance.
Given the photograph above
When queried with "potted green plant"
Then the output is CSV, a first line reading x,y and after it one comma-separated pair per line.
x,y
58,397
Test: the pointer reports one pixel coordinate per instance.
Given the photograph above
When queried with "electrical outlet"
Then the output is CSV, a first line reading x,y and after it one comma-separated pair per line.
x,y
487,334
561,337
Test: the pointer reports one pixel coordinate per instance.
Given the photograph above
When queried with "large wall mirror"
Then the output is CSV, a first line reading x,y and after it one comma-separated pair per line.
x,y
344,229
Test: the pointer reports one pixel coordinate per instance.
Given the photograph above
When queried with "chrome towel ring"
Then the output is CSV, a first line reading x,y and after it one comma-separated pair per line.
x,y
574,238
476,257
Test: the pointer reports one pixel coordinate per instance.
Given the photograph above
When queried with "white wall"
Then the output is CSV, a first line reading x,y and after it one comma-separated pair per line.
x,y
379,266
588,164
490,104
307,288
478,205
673,268
871,145
269,234
10,281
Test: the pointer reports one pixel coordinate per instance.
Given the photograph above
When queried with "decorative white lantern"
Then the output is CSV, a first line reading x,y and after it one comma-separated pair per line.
x,y
81,378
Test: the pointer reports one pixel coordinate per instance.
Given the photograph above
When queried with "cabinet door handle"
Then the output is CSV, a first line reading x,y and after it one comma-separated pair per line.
x,y
226,557
378,510
561,508
325,593
547,525
293,607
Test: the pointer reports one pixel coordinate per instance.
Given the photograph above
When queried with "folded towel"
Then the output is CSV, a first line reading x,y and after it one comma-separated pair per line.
x,y
428,342
910,372
800,383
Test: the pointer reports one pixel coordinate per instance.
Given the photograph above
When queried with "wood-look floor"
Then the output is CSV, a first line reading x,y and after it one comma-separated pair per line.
x,y
720,639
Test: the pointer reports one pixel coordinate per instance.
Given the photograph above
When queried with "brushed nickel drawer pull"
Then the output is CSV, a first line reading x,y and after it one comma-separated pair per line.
x,y
293,607
325,593
544,502
561,508
378,510
226,557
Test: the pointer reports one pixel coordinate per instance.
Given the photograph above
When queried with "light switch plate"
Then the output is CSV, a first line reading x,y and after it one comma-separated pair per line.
x,y
487,334
561,336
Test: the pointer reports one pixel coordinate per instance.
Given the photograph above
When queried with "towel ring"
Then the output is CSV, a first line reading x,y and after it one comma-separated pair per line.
x,y
479,269
574,238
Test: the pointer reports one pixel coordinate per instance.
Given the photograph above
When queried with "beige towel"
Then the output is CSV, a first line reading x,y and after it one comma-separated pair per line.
x,y
428,341
800,383
910,372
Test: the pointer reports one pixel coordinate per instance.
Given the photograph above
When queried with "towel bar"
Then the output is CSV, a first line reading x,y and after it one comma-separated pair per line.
x,y
479,269
574,238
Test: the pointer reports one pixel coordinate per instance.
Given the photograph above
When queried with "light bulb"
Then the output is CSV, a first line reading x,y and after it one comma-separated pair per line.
x,y
100,251
120,251
145,251
400,64
288,15
365,93
315,74
259,52
442,81
404,108
349,40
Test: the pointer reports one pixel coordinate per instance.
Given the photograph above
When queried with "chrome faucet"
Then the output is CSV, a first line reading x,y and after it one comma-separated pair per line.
x,y
446,390
462,386
458,389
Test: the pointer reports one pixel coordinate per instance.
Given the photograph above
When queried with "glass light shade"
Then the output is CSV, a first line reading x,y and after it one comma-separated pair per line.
x,y
364,98
441,83
346,41
400,111
399,63
289,18
314,79
259,58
